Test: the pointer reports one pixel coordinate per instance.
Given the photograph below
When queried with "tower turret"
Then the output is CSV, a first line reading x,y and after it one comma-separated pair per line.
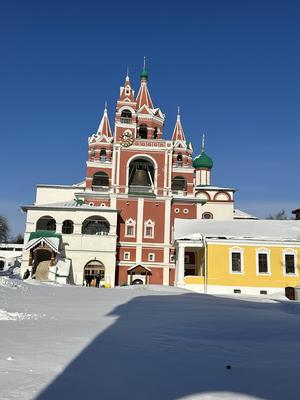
x,y
203,165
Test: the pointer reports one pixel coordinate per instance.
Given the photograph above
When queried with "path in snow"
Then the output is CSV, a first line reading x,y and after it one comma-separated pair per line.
x,y
142,343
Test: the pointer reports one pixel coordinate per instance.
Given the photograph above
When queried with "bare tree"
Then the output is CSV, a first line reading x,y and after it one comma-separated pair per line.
x,y
281,215
4,229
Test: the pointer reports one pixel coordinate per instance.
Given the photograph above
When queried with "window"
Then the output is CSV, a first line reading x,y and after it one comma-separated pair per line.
x,y
130,228
126,115
185,211
179,160
263,262
172,258
46,224
127,255
236,262
290,263
103,155
67,227
263,292
95,225
151,257
149,229
178,183
100,181
207,215
143,131
237,291
176,210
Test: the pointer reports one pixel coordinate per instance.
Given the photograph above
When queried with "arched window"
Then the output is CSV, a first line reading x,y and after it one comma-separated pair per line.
x,y
155,133
95,225
103,155
126,117
100,181
178,183
207,215
179,159
141,175
67,227
46,223
143,131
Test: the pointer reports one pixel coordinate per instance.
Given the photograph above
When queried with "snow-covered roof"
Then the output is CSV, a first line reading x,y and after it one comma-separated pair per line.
x,y
196,229
70,204
239,214
52,242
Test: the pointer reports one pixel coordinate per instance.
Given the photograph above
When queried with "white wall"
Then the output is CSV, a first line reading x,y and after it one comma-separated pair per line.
x,y
48,195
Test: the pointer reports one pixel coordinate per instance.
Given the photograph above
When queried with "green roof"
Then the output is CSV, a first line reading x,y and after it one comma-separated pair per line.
x,y
144,74
40,234
203,161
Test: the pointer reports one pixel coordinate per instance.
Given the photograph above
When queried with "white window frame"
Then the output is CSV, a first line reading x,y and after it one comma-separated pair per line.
x,y
127,255
290,252
130,222
263,251
151,255
241,252
148,224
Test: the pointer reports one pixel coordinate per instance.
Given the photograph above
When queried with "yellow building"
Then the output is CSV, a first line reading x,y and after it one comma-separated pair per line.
x,y
248,257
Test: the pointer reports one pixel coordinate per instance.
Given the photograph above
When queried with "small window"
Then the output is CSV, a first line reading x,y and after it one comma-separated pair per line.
x,y
143,131
176,211
179,159
263,263
127,255
290,264
263,292
149,229
130,228
236,262
237,291
172,258
67,227
151,257
103,155
207,215
185,211
91,203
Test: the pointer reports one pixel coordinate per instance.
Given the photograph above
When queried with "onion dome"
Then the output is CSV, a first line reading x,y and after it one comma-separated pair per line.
x,y
203,160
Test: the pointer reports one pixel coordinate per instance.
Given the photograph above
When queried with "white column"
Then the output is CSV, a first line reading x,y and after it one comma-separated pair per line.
x,y
179,280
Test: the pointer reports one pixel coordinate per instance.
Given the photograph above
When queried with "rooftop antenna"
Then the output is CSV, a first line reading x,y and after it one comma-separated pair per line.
x,y
178,112
144,62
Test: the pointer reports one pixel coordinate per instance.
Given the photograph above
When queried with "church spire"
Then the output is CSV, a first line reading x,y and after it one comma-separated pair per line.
x,y
104,127
126,91
178,133
143,97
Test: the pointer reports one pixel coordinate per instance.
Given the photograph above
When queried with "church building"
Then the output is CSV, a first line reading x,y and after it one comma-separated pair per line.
x,y
118,223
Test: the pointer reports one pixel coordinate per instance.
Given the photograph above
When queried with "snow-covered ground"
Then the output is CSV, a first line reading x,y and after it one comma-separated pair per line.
x,y
145,343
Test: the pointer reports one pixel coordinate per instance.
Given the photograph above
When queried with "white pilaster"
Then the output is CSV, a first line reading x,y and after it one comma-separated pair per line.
x,y
179,278
139,229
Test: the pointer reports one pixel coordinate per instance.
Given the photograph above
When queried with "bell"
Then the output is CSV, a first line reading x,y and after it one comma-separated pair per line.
x,y
141,178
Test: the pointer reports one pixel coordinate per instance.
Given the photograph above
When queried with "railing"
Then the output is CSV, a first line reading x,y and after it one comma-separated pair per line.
x,y
96,188
102,159
141,189
126,120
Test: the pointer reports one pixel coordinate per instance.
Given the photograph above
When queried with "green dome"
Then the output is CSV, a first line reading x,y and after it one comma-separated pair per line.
x,y
203,161
144,74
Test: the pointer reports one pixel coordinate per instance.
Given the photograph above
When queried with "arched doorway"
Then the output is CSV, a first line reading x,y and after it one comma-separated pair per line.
x,y
93,269
42,262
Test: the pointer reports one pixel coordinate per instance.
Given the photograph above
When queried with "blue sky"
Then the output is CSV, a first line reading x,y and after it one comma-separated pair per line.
x,y
232,66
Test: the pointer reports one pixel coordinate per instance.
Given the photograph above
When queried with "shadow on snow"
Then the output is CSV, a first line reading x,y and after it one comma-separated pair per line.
x,y
168,347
